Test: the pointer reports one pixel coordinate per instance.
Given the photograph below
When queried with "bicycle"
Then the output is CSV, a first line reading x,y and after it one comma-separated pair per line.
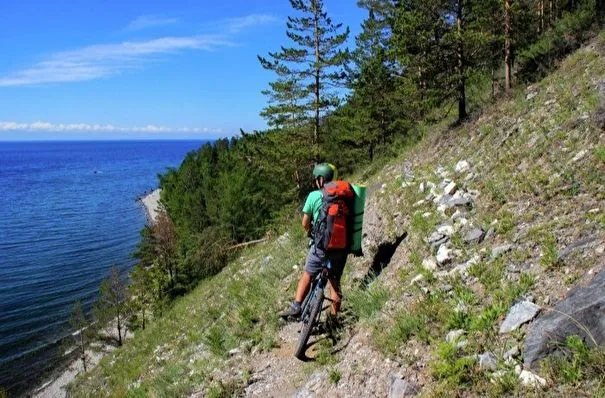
x,y
311,310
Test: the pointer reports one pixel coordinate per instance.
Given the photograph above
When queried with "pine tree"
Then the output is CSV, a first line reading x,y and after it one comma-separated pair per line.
x,y
112,305
374,86
141,291
308,71
82,331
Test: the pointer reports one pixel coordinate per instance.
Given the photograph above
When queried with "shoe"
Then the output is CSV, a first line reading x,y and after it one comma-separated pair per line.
x,y
292,312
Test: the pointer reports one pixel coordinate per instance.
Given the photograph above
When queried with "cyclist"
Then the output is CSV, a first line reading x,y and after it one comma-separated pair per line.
x,y
317,257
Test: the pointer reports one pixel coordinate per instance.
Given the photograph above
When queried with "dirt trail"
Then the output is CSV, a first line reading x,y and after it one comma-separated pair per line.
x,y
277,373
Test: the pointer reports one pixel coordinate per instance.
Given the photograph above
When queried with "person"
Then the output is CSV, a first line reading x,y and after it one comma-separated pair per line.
x,y
317,257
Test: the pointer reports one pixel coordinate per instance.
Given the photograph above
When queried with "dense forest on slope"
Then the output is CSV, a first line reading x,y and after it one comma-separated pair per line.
x,y
415,62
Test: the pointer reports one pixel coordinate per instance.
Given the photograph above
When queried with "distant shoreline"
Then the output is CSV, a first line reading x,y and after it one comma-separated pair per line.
x,y
151,204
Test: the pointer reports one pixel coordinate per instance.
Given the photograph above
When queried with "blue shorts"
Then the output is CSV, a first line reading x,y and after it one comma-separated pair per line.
x,y
316,259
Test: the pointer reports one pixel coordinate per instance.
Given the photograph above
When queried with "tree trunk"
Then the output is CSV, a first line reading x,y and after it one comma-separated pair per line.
x,y
507,34
600,8
119,331
541,16
317,75
461,64
83,350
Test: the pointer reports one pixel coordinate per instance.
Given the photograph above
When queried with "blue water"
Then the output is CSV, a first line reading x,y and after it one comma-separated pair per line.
x,y
68,212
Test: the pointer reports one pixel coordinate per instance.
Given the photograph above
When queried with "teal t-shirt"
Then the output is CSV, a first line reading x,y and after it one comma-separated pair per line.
x,y
313,205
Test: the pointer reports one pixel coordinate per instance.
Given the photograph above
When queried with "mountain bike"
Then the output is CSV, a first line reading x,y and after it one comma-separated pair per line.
x,y
311,310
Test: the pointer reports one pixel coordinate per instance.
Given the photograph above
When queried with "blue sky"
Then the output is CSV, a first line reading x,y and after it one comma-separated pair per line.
x,y
140,69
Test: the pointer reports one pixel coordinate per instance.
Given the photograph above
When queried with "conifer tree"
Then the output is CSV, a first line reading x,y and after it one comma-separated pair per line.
x,y
112,305
82,331
309,70
141,290
374,99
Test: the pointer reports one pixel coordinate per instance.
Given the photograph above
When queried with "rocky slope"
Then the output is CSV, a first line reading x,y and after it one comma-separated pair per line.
x,y
482,245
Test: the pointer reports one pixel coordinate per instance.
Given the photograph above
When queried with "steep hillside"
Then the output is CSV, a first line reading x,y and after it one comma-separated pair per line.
x,y
504,211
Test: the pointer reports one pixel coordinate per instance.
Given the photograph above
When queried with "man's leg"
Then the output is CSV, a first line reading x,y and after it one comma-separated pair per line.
x,y
303,287
313,266
335,295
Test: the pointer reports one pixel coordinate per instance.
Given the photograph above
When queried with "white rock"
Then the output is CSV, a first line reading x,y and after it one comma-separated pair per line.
x,y
579,155
530,96
454,335
421,187
442,172
429,264
530,379
446,230
462,166
519,314
427,214
488,361
444,255
450,188
594,211
419,203
417,279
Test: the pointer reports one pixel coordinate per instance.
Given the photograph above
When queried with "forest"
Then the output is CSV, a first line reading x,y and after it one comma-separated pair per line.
x,y
415,63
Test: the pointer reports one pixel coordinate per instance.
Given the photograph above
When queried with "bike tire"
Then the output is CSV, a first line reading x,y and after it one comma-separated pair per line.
x,y
305,333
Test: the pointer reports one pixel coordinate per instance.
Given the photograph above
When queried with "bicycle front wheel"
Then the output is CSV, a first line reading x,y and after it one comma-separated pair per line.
x,y
309,324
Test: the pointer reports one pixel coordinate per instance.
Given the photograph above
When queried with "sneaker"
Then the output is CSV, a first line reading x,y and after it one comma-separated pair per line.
x,y
292,312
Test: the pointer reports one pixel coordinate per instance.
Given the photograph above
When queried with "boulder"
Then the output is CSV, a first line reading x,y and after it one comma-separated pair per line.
x,y
519,314
585,306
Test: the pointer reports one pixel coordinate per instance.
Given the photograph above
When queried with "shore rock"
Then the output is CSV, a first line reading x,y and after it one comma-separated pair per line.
x,y
584,306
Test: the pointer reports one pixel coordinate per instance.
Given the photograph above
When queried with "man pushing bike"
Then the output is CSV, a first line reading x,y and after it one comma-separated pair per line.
x,y
327,217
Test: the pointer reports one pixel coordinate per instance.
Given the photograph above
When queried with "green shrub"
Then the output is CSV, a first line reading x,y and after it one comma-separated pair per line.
x,y
550,254
450,367
577,364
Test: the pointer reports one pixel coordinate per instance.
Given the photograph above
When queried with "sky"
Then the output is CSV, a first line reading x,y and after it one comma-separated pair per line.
x,y
140,69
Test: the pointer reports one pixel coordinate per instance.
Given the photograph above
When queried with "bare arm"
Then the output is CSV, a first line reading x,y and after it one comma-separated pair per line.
x,y
306,222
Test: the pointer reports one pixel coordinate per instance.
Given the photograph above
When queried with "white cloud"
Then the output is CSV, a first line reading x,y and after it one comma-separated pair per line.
x,y
40,126
149,21
235,25
97,61
106,60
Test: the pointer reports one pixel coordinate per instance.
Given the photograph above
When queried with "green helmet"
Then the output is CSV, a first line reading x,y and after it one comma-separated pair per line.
x,y
325,170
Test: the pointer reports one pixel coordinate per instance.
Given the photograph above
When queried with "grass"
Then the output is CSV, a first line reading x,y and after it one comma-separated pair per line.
x,y
175,354
367,303
550,253
579,364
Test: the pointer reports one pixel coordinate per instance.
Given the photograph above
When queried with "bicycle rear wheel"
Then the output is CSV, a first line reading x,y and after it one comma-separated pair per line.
x,y
309,324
